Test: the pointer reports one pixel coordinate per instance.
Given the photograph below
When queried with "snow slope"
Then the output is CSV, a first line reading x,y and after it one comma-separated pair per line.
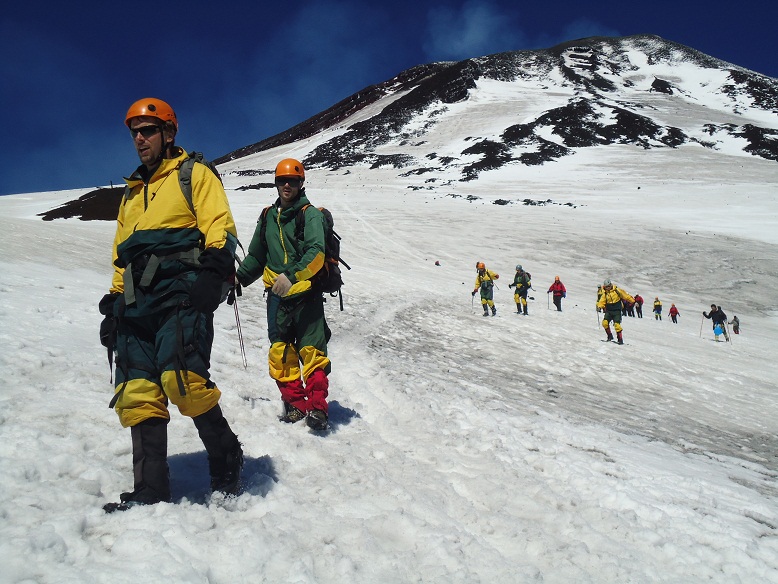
x,y
463,448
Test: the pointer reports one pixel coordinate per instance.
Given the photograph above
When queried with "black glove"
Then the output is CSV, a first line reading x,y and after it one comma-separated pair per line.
x,y
108,332
216,268
206,292
473,294
108,325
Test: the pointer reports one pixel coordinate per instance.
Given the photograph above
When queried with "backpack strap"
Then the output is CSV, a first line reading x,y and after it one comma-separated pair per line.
x,y
263,225
185,178
299,225
185,175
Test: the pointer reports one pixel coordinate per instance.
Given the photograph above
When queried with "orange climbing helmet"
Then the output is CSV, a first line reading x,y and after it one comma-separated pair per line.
x,y
480,266
290,167
152,107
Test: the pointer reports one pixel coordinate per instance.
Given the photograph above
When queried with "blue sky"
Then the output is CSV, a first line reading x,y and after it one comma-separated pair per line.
x,y
240,73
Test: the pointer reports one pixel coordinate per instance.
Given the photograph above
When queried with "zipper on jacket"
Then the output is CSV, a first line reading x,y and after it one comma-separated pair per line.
x,y
281,236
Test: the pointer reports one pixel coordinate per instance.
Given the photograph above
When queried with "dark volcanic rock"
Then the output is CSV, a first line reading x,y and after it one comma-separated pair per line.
x,y
762,90
99,205
662,86
762,141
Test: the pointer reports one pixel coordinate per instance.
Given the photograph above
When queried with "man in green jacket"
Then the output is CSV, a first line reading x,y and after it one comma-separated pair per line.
x,y
287,258
522,282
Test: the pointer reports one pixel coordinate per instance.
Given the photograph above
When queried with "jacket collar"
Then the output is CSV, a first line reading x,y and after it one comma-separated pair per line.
x,y
167,166
290,212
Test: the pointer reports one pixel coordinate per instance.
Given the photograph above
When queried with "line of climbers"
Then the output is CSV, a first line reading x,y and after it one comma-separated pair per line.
x,y
612,301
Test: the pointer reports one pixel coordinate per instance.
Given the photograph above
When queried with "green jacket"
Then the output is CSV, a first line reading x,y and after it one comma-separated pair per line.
x,y
522,282
279,252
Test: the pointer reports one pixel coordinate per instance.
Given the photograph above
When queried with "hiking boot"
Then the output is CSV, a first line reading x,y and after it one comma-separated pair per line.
x,y
494,311
486,310
291,414
317,420
140,497
225,456
150,468
225,474
620,340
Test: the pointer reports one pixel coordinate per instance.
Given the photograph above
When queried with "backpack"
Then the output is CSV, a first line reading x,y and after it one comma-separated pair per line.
x,y
229,287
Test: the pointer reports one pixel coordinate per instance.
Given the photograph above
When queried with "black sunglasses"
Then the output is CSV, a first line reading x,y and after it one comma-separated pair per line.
x,y
292,181
145,131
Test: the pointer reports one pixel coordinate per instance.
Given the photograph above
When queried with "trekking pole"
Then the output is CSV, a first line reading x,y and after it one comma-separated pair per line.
x,y
240,335
702,322
548,302
232,298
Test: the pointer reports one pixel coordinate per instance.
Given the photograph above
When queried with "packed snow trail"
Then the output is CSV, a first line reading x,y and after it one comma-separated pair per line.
x,y
462,448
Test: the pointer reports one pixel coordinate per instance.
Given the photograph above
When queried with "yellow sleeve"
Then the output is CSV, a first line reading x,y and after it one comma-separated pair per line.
x,y
117,281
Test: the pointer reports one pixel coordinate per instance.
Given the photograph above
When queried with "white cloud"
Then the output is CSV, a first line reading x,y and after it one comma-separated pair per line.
x,y
472,30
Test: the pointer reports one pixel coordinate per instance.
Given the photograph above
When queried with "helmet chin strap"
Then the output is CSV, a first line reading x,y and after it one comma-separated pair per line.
x,y
162,152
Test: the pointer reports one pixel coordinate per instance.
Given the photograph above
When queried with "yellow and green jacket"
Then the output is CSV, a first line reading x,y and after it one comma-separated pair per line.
x,y
487,278
280,251
156,219
610,300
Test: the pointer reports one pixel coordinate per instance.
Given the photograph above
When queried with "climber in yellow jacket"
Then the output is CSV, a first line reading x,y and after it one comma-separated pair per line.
x,y
484,281
609,303
172,261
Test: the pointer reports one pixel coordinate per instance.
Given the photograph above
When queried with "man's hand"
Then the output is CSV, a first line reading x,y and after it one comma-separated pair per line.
x,y
281,285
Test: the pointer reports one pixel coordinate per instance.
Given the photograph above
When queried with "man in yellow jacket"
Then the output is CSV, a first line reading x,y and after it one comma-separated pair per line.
x,y
172,256
609,302
484,281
